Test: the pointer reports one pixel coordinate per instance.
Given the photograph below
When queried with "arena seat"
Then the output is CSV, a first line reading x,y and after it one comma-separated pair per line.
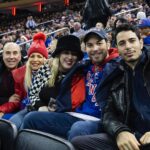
x,y
36,140
8,133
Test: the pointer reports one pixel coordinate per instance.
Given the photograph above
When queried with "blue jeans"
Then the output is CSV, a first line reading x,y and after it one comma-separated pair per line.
x,y
84,128
17,119
60,124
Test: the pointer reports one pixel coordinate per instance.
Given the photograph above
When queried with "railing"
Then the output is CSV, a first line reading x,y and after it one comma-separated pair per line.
x,y
29,41
6,33
45,22
127,11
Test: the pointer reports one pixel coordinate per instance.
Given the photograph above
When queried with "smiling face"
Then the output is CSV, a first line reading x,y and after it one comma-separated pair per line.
x,y
36,60
67,60
129,46
11,55
97,49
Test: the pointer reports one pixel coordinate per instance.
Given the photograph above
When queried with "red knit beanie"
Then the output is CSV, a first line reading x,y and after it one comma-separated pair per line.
x,y
38,45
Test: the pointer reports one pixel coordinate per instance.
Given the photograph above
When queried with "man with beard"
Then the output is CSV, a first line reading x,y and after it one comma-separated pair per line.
x,y
85,119
126,116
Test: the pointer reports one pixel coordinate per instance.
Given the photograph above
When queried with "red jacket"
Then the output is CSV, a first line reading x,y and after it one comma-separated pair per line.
x,y
18,75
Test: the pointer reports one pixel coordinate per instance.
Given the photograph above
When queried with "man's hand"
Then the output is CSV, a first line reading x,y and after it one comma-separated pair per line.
x,y
145,139
52,105
14,98
127,141
1,114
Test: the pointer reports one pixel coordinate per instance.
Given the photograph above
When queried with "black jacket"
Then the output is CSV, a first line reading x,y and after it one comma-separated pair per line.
x,y
116,114
6,83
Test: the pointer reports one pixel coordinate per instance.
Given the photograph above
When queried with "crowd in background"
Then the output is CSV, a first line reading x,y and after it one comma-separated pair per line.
x,y
59,66
67,18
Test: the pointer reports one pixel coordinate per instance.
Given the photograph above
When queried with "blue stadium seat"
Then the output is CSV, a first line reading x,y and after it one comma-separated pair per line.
x,y
36,140
8,133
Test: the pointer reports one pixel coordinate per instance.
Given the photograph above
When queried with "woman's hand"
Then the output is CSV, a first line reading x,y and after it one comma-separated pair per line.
x,y
1,114
14,98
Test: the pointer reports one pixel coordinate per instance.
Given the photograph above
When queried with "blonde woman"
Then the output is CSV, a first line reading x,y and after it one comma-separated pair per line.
x,y
23,76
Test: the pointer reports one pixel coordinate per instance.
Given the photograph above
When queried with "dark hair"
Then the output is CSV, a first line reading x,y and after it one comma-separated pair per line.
x,y
120,19
127,27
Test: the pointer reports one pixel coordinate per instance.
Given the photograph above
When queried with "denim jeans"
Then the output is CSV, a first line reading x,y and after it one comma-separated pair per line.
x,y
17,119
60,124
84,128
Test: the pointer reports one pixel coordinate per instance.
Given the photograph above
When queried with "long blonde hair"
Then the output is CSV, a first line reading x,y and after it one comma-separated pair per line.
x,y
28,76
54,65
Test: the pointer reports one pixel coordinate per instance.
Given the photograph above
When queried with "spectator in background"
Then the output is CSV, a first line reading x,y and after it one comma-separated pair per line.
x,y
24,47
78,31
30,23
99,26
71,25
48,41
119,21
37,55
1,46
141,15
128,17
112,21
52,46
11,59
144,25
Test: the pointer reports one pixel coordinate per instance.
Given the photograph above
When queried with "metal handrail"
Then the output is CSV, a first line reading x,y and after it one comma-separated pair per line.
x,y
134,9
45,22
65,28
10,32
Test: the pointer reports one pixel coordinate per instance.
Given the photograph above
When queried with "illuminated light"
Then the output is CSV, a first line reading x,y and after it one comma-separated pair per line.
x,y
39,7
14,11
66,2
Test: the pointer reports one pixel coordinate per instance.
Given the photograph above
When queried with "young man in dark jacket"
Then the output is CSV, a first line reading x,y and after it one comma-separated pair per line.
x,y
127,113
69,122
